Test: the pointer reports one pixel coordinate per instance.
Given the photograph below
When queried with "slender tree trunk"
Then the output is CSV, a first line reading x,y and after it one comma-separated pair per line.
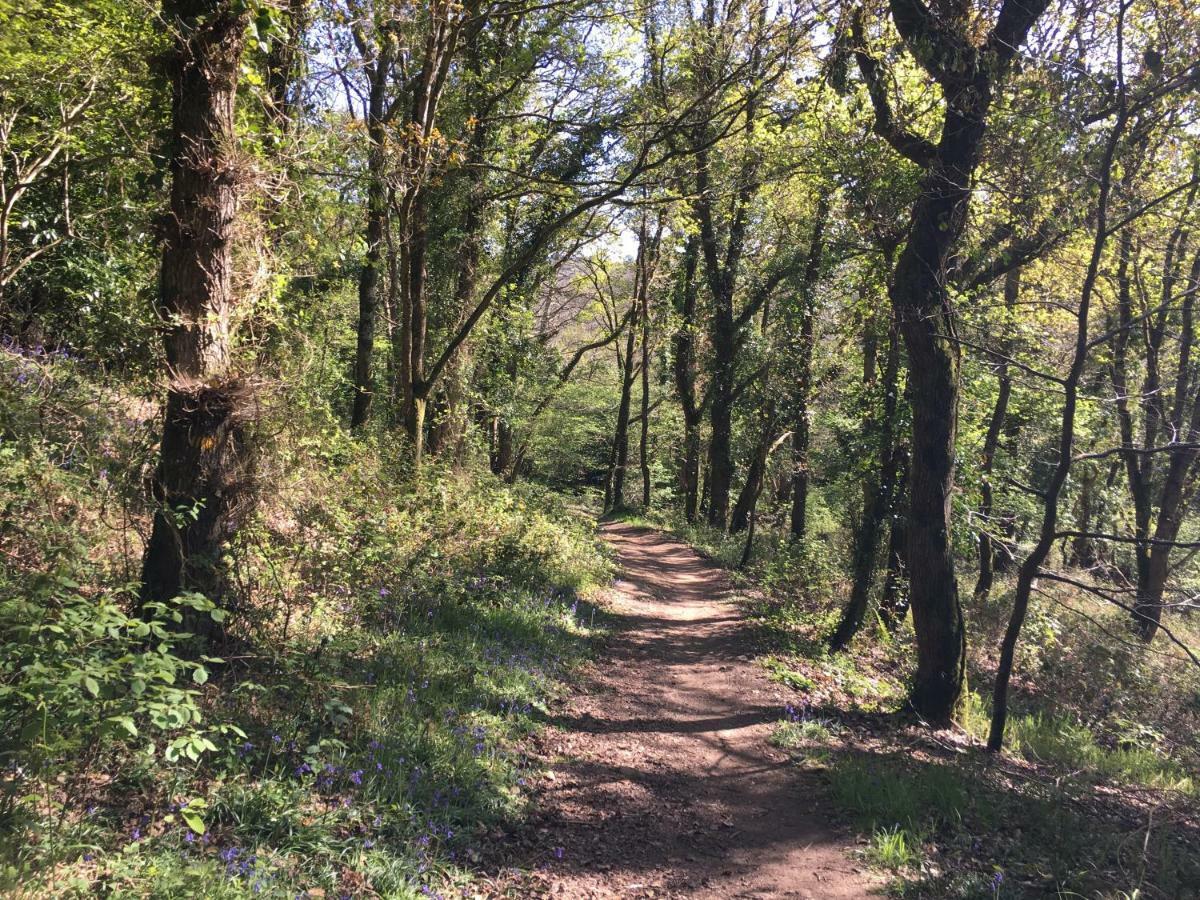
x,y
991,442
893,603
683,365
877,508
803,392
1031,566
1178,484
376,222
1082,553
690,470
720,451
647,263
644,440
620,454
202,458
748,496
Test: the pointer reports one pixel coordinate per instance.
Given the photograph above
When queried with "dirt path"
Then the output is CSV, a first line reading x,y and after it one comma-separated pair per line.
x,y
662,782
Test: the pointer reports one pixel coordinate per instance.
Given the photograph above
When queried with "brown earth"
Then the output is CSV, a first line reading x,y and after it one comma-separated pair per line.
x,y
661,781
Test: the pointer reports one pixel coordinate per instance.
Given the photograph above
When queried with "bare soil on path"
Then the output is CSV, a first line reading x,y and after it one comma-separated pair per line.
x,y
661,780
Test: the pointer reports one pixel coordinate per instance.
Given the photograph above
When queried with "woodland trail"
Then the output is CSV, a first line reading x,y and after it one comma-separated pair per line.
x,y
662,782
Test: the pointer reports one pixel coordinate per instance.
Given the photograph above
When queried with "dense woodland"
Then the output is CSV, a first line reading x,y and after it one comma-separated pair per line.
x,y
330,326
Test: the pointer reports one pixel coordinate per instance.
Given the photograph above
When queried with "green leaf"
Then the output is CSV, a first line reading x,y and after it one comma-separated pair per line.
x,y
193,819
91,685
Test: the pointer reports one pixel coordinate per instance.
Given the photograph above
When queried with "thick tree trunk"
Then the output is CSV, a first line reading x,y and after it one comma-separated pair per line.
x,y
202,458
968,73
925,316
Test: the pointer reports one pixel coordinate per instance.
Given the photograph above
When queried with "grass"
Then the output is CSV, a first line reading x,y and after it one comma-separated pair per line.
x,y
893,849
886,797
1041,737
788,735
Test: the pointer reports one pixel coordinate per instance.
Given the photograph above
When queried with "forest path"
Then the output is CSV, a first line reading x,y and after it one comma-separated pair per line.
x,y
662,781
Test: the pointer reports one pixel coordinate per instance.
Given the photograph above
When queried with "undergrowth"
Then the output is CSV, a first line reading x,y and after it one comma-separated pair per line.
x,y
359,731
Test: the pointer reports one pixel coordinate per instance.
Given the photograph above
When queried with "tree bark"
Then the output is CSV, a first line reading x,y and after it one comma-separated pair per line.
x,y
203,459
893,603
644,440
1177,419
379,73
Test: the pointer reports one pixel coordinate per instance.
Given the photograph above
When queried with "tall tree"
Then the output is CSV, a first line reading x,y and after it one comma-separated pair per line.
x,y
968,69
202,456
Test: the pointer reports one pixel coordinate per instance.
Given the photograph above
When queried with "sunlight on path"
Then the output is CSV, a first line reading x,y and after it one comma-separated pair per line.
x,y
663,783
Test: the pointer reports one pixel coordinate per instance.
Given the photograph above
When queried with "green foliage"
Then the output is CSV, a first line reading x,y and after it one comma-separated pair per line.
x,y
789,735
1060,740
888,797
394,650
893,849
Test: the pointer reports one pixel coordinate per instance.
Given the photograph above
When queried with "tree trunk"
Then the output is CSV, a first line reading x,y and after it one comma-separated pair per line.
x,y
368,276
1031,566
644,440
720,455
740,518
620,453
690,470
893,603
878,506
803,394
683,365
202,458
502,452
968,73
991,442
